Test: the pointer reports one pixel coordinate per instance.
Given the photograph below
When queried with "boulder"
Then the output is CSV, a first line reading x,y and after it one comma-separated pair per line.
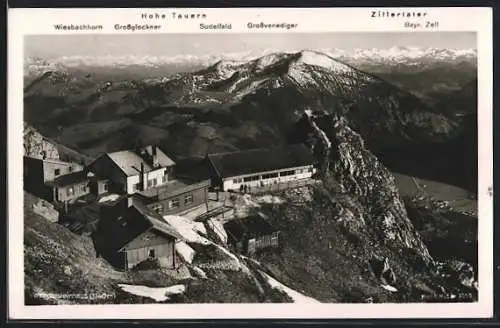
x,y
460,271
46,210
383,271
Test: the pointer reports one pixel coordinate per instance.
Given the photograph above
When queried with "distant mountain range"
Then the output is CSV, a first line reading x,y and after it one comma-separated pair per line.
x,y
430,74
410,57
231,104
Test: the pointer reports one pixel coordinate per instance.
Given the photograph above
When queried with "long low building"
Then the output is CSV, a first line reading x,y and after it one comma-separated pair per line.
x,y
233,171
176,196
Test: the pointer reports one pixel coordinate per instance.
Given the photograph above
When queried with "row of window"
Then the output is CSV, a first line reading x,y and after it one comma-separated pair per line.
x,y
173,203
57,172
71,190
151,183
272,175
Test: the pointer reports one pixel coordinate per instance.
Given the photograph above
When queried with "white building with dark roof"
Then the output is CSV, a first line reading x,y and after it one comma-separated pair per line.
x,y
261,167
132,171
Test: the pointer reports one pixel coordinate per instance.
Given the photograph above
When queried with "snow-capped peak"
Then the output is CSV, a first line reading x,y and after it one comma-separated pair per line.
x,y
405,55
270,59
227,67
260,58
319,59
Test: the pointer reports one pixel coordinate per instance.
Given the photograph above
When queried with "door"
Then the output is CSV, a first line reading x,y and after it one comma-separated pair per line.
x,y
251,246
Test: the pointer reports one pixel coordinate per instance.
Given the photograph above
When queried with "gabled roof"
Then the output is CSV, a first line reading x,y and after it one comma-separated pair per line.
x,y
194,169
129,161
254,225
261,160
52,161
163,159
133,222
70,179
155,219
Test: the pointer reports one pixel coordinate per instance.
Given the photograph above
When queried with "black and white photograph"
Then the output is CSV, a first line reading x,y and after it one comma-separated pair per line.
x,y
335,167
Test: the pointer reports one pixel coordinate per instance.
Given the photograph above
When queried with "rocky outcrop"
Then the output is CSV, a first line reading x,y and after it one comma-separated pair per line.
x,y
36,146
322,146
383,271
46,210
361,176
459,272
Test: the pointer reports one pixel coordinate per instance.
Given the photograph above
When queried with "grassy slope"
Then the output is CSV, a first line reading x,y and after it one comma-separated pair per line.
x,y
230,287
57,261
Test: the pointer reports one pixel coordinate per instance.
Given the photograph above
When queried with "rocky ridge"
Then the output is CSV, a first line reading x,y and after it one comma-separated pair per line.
x,y
364,178
36,146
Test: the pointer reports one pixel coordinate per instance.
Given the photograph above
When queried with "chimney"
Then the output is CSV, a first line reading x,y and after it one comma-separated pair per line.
x,y
144,178
154,156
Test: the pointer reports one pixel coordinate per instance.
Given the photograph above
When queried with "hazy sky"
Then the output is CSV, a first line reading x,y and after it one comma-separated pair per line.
x,y
198,44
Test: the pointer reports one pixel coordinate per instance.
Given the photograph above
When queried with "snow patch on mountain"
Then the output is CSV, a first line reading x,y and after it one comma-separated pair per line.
x,y
226,68
269,60
293,294
159,294
319,59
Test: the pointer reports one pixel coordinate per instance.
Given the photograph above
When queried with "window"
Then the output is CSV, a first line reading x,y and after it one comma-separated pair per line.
x,y
158,208
240,180
252,178
84,188
174,203
155,182
70,169
70,191
152,253
135,187
286,173
270,176
188,199
105,186
150,183
57,172
275,237
164,179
